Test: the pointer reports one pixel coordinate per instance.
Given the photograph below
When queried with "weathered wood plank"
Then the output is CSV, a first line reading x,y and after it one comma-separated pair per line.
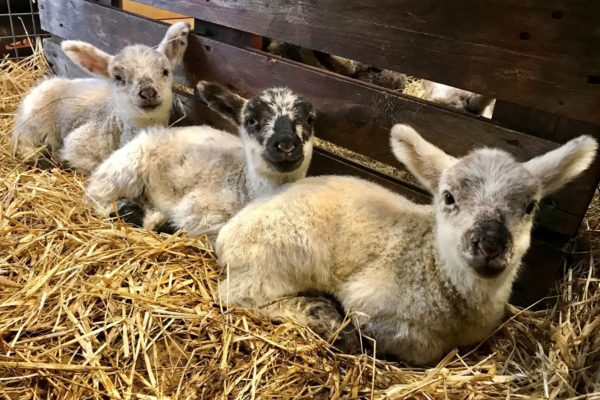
x,y
114,3
541,54
352,114
538,273
327,163
224,34
145,10
543,124
541,262
540,123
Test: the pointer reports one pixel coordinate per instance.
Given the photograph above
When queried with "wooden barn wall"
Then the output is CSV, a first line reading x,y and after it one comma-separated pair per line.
x,y
540,54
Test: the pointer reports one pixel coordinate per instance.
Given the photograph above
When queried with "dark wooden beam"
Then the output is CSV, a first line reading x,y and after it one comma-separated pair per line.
x,y
114,3
541,54
223,34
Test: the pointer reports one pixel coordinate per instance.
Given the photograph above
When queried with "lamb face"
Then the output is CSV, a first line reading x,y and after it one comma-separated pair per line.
x,y
484,207
141,76
277,131
485,202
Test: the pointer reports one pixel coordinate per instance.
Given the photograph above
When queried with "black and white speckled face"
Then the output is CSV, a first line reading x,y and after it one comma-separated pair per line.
x,y
278,126
485,205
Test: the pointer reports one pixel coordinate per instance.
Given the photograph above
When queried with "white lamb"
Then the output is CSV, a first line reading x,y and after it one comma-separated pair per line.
x,y
459,99
196,178
80,122
420,279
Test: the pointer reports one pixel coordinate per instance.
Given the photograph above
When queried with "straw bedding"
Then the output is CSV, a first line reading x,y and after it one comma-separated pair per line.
x,y
95,309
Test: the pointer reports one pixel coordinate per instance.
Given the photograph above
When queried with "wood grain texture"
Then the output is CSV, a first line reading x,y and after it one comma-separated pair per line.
x,y
540,54
542,124
538,273
352,114
148,11
541,263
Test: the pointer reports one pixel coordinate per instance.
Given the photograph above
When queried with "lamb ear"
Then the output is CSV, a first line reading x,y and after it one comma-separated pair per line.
x,y
175,42
88,57
222,100
560,166
424,160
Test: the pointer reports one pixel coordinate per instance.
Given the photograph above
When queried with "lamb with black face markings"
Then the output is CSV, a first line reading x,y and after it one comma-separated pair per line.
x,y
196,178
420,279
80,122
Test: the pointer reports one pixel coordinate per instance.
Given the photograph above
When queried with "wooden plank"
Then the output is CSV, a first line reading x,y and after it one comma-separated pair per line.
x,y
114,3
541,263
543,124
538,273
59,63
155,13
224,34
352,114
145,10
540,123
327,163
541,54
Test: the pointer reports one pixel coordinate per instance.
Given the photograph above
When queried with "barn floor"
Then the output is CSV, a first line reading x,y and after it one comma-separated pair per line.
x,y
94,310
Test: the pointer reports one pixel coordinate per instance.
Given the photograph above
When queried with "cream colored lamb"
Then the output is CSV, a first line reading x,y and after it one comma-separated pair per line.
x,y
80,122
196,178
459,99
420,279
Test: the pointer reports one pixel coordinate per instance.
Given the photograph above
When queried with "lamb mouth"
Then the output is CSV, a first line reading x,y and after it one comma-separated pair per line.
x,y
286,165
488,271
150,107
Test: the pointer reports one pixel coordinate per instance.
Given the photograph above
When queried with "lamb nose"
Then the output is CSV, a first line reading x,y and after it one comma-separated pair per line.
x,y
148,93
489,252
286,147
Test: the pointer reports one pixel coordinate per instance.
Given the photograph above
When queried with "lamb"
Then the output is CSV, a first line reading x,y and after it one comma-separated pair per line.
x,y
340,65
459,99
196,178
420,279
80,122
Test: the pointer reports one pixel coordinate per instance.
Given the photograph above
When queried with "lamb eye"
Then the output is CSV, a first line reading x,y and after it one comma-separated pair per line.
x,y
118,78
251,122
530,208
165,72
310,120
448,198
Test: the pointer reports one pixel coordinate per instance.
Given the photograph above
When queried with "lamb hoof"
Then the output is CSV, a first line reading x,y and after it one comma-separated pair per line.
x,y
166,227
43,161
44,164
348,341
130,213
